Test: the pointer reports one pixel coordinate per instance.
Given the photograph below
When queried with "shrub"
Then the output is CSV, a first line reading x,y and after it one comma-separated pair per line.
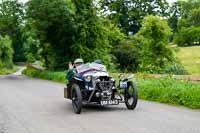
x,y
152,39
188,36
127,56
6,52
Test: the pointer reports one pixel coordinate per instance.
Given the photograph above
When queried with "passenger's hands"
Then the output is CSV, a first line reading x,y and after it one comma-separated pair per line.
x,y
70,65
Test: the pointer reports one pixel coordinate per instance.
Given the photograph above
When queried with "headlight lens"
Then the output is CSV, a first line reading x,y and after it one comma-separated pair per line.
x,y
88,78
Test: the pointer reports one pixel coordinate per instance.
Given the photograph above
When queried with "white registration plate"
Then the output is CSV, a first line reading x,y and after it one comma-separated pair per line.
x,y
109,102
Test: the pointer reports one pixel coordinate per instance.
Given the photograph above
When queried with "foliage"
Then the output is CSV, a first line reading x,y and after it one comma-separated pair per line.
x,y
53,22
188,27
152,40
188,36
11,22
57,32
95,36
69,30
6,53
128,14
48,75
4,71
195,16
168,90
174,67
31,45
127,55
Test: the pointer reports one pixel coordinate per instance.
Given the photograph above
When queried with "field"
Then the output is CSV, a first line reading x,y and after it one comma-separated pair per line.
x,y
190,58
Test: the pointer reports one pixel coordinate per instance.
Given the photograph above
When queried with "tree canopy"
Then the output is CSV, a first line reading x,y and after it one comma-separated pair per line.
x,y
6,52
11,22
128,14
188,25
133,34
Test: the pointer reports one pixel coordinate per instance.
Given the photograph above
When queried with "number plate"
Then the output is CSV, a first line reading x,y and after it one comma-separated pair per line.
x,y
123,85
109,102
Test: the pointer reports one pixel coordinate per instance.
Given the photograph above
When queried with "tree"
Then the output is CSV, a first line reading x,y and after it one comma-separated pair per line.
x,y
6,52
128,14
174,15
11,22
31,45
152,39
188,26
95,35
195,17
71,29
55,27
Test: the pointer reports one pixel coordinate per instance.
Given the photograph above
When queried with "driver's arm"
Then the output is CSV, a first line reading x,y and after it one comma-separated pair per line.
x,y
70,72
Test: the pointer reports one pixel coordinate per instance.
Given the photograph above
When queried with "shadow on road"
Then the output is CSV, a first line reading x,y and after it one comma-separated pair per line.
x,y
67,107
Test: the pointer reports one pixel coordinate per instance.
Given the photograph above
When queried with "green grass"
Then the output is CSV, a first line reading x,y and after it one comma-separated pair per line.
x,y
164,90
190,58
169,90
4,71
47,75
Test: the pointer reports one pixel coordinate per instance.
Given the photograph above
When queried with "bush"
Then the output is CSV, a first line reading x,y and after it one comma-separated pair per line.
x,y
188,36
6,53
174,68
127,56
152,40
4,71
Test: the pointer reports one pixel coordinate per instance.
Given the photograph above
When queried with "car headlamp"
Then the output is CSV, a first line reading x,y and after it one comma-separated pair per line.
x,y
88,78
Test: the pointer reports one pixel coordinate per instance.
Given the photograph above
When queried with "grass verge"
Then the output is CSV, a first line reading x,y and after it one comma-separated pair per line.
x,y
48,75
169,90
4,71
164,90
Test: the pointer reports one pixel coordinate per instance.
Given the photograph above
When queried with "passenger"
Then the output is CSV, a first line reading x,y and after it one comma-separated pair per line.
x,y
98,61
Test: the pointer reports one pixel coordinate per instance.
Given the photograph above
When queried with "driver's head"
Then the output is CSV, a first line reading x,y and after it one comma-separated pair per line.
x,y
78,62
98,61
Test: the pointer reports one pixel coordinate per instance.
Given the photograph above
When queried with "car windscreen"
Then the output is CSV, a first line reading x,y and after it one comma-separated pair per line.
x,y
91,66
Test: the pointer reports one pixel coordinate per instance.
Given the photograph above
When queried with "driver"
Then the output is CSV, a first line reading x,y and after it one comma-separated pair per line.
x,y
72,68
70,73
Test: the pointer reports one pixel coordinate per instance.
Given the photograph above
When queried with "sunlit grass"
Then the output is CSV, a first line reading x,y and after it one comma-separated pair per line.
x,y
190,58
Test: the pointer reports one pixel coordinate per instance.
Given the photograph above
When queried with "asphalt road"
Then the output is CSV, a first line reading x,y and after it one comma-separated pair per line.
x,y
30,105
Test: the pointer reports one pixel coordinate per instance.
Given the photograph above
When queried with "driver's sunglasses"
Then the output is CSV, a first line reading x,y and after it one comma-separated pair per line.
x,y
79,63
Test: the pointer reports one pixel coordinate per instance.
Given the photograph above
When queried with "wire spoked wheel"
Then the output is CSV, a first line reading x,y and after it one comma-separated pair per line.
x,y
131,96
76,99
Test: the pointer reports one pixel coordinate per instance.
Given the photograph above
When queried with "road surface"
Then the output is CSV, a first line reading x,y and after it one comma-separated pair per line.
x,y
30,105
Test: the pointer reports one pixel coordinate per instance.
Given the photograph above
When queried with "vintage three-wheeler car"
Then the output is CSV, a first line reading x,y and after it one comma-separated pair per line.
x,y
93,85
